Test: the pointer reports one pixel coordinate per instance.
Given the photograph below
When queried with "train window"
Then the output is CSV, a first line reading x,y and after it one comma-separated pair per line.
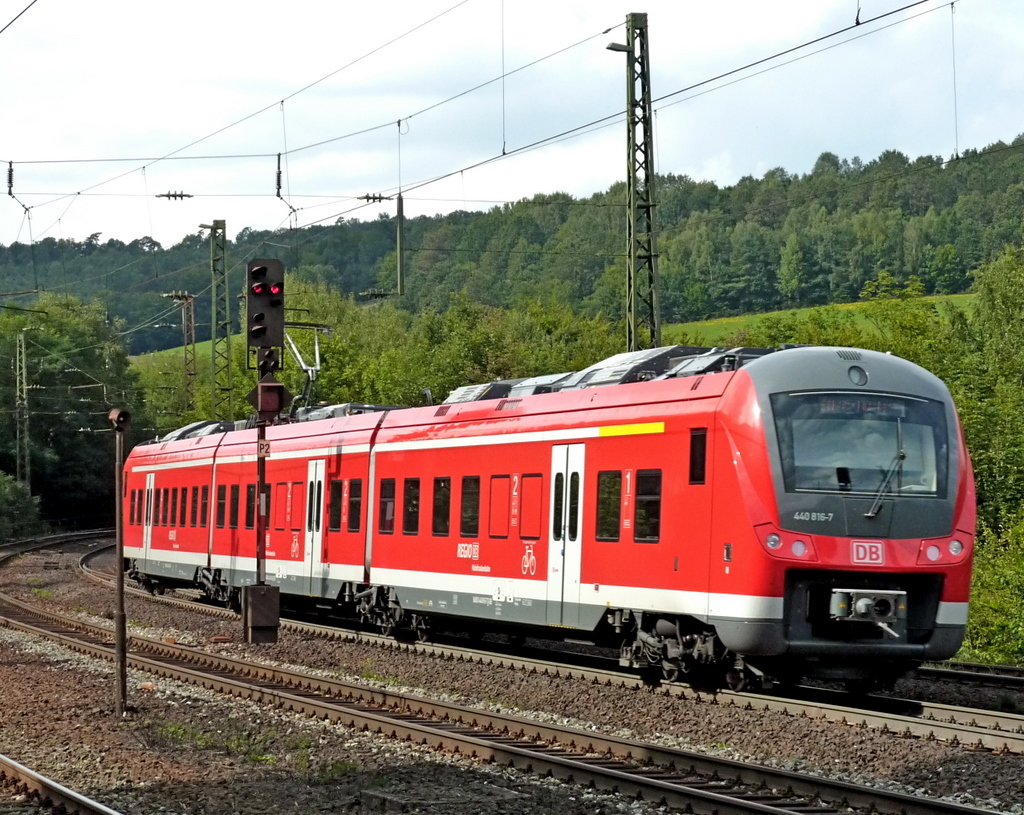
x,y
195,506
204,508
469,526
442,518
174,507
355,504
222,504
131,510
698,454
319,502
862,443
411,507
386,511
163,506
233,509
558,513
184,514
647,521
311,507
609,505
250,506
531,506
280,504
334,505
498,506
574,506
298,498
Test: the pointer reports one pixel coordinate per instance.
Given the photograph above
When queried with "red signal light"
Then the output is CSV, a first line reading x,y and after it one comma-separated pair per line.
x,y
264,307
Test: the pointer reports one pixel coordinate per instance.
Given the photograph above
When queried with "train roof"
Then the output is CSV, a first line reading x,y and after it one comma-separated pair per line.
x,y
662,363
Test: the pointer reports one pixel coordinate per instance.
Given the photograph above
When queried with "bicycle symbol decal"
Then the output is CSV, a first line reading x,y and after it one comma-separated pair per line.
x,y
529,562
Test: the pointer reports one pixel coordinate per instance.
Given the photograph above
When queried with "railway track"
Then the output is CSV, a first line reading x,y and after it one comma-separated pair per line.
x,y
965,727
681,779
27,790
1008,677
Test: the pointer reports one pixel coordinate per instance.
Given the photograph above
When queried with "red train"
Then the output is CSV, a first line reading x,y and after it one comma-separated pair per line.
x,y
803,512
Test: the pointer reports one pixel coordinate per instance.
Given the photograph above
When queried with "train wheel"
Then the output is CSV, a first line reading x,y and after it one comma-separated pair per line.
x,y
422,626
736,679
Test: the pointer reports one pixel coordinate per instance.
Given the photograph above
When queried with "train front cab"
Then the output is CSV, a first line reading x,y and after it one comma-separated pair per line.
x,y
854,550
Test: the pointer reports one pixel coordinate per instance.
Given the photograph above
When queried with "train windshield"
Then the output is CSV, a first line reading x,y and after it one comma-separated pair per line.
x,y
860,443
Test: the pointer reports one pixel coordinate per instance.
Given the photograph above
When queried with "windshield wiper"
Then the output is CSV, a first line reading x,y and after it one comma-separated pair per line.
x,y
897,464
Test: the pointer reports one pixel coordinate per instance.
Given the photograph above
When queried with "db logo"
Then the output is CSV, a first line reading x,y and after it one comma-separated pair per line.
x,y
868,552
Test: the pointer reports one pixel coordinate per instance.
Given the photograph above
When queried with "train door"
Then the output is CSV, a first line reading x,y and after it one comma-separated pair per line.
x,y
565,534
147,519
316,569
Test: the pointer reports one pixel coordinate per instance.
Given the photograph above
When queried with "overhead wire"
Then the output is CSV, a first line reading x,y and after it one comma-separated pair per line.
x,y
2,30
607,121
303,89
590,126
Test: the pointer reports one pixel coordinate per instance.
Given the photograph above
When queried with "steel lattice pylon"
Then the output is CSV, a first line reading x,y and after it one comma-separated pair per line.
x,y
24,474
221,405
643,324
188,325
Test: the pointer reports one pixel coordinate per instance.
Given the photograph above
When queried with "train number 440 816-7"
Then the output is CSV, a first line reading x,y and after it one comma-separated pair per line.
x,y
812,516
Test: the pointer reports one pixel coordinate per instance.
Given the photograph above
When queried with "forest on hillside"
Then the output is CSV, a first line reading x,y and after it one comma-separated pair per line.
x,y
762,244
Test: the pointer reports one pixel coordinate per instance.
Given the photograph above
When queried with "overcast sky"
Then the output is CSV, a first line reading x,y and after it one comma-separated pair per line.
x,y
223,86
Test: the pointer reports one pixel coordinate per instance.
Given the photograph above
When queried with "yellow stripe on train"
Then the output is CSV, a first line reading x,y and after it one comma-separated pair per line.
x,y
632,429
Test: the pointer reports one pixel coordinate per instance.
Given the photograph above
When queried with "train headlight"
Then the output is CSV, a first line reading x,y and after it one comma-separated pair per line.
x,y
799,548
933,552
773,541
955,548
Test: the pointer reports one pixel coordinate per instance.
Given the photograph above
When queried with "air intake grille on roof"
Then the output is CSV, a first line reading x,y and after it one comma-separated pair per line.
x,y
508,404
441,411
696,383
850,355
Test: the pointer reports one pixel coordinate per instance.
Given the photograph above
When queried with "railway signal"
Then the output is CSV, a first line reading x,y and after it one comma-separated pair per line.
x,y
268,360
264,303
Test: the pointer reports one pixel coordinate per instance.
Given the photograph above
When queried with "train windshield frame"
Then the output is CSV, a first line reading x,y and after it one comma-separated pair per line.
x,y
862,443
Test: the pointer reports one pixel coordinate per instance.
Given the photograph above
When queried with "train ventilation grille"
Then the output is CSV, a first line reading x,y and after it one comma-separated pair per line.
x,y
849,355
696,383
441,411
508,404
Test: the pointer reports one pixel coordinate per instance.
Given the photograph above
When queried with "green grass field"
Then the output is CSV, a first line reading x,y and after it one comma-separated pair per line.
x,y
719,331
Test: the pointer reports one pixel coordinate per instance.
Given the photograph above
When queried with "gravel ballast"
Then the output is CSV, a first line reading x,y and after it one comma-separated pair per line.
x,y
184,750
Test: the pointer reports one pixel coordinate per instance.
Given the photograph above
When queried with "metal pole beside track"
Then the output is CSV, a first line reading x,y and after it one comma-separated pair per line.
x,y
121,419
261,505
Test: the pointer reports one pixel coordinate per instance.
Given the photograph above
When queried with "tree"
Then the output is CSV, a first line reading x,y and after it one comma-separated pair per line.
x,y
19,511
791,271
77,369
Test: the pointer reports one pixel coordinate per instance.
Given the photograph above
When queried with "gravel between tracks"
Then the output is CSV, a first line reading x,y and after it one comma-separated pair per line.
x,y
184,750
